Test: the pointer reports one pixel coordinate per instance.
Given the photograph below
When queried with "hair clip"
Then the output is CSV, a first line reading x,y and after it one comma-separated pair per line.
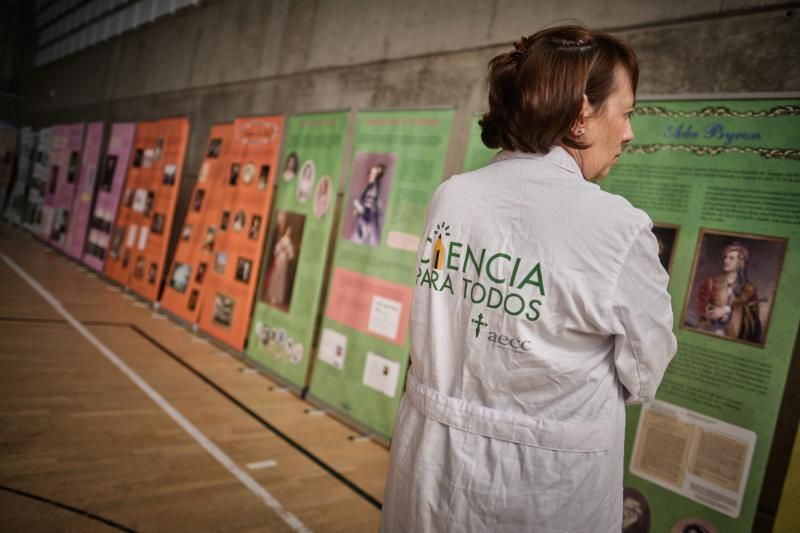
x,y
520,49
580,45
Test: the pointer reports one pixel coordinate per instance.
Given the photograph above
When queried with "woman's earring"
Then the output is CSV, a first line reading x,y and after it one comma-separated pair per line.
x,y
579,131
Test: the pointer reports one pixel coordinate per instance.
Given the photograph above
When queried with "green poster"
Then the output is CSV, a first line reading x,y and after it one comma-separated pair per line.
x,y
721,181
361,363
478,155
282,326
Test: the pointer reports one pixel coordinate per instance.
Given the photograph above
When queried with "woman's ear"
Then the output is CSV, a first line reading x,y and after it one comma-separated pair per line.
x,y
579,127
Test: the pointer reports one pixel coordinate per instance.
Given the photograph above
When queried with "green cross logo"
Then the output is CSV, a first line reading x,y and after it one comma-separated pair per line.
x,y
478,323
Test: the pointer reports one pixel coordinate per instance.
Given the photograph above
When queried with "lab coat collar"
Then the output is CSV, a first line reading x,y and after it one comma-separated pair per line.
x,y
556,156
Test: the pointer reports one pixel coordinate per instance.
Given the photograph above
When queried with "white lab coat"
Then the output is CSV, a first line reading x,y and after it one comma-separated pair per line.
x,y
519,425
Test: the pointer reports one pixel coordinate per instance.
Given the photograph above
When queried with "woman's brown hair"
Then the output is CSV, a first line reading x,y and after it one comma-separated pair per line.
x,y
536,91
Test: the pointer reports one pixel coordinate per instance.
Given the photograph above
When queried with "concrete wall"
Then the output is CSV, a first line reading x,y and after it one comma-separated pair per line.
x,y
228,58
236,57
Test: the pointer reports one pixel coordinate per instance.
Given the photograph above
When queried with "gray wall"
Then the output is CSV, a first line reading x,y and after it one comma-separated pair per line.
x,y
228,58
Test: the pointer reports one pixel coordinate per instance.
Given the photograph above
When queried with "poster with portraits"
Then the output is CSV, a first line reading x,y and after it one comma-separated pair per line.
x,y
397,163
14,207
234,232
282,335
32,214
184,292
72,240
144,220
721,181
62,181
111,175
125,226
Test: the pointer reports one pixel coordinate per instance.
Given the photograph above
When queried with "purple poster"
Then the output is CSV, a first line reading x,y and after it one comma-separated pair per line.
x,y
113,169
82,201
62,181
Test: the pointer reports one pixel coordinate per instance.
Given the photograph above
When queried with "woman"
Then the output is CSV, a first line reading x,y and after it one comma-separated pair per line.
x,y
728,303
547,312
367,209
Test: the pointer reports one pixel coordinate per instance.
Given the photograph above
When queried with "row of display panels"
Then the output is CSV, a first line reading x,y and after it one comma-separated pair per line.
x,y
115,214
719,178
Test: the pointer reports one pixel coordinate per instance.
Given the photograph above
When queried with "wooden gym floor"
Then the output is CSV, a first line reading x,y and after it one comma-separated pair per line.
x,y
113,417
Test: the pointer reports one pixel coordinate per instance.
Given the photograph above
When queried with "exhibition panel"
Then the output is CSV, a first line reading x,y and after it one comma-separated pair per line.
x,y
284,320
65,154
78,215
477,154
183,294
15,207
235,235
721,181
8,155
32,217
109,190
153,206
398,161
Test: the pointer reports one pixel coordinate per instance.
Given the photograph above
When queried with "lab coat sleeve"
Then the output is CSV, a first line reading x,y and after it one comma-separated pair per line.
x,y
641,320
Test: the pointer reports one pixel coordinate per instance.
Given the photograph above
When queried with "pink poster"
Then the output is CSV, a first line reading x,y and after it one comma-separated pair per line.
x,y
113,171
82,201
62,181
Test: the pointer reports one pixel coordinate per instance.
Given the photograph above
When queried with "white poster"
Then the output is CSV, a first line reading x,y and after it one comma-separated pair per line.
x,y
699,457
332,348
384,317
143,234
131,240
381,374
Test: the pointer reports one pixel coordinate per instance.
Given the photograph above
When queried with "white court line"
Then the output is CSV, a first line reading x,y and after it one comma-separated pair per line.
x,y
269,463
167,407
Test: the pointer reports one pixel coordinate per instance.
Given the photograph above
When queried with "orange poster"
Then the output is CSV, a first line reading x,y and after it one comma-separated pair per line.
x,y
123,239
148,205
183,292
236,244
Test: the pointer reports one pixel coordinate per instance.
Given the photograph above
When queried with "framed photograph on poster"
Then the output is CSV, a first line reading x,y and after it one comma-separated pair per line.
x,y
158,223
170,171
667,238
365,209
322,196
263,176
197,201
282,260
243,269
201,273
733,283
248,172
186,232
223,310
191,304
109,169
290,166
180,277
208,239
305,184
213,148
220,262
233,179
